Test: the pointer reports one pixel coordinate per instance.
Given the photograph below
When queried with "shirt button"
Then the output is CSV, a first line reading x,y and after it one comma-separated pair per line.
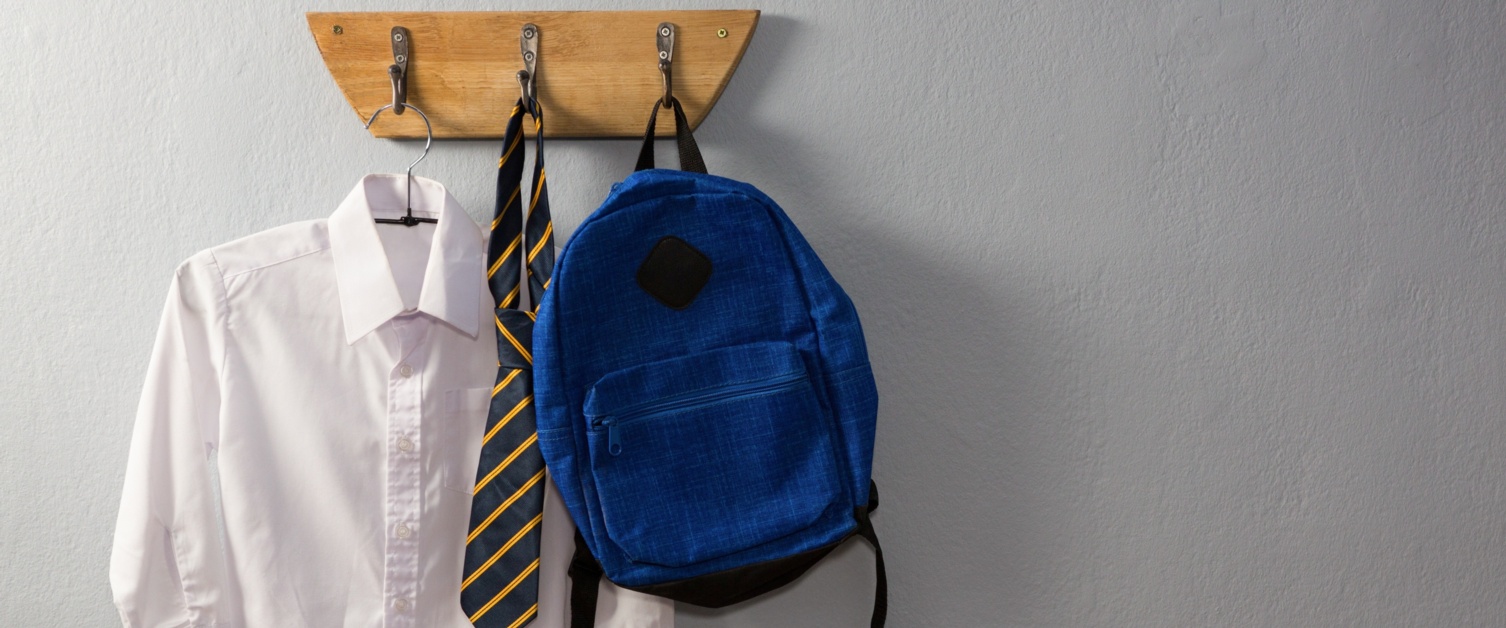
x,y
403,531
405,370
400,604
403,444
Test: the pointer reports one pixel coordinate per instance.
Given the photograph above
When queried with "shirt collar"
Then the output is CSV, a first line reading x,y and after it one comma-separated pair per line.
x,y
453,276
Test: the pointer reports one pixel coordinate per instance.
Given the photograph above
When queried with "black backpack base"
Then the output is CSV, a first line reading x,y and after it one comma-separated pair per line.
x,y
725,588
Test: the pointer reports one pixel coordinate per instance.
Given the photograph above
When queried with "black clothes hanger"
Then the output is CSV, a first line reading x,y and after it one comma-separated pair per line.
x,y
398,72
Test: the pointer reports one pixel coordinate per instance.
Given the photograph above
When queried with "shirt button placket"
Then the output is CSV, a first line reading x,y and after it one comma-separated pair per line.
x,y
404,496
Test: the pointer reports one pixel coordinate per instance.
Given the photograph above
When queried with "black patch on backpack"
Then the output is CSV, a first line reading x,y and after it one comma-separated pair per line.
x,y
674,272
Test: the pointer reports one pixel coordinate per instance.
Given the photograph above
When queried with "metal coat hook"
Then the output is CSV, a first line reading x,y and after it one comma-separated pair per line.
x,y
398,72
528,77
666,38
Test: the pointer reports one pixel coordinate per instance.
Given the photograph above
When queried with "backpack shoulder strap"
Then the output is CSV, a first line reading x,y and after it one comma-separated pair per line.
x,y
865,530
585,578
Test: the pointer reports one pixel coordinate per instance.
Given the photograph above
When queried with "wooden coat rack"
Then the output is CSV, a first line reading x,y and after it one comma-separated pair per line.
x,y
597,72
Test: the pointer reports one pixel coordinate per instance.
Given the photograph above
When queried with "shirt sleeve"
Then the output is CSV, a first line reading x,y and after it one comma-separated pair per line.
x,y
167,567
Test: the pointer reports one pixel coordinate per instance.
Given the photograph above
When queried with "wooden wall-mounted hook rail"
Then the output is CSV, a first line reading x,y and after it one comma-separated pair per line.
x,y
598,71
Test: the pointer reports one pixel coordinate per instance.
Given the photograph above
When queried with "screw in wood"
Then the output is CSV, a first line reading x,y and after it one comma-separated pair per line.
x,y
721,32
339,30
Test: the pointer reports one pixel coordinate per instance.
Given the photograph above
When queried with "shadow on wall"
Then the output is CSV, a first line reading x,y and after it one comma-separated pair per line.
x,y
969,391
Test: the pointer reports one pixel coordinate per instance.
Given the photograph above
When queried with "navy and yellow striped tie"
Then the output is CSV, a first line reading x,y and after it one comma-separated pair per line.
x,y
501,580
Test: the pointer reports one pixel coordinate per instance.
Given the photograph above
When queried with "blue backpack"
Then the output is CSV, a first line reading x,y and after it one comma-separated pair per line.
x,y
705,402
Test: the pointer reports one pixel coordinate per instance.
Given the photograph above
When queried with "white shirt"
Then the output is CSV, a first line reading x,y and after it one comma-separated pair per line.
x,y
339,372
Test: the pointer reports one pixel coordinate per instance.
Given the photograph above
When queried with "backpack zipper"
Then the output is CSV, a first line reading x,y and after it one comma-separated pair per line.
x,y
633,413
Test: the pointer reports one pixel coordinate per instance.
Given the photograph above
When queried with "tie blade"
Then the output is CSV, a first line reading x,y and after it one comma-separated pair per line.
x,y
503,249
514,338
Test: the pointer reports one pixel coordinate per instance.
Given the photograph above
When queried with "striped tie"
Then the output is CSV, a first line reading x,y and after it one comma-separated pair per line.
x,y
501,582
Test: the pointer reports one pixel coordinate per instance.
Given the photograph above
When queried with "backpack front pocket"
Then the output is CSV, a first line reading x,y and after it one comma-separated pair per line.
x,y
700,457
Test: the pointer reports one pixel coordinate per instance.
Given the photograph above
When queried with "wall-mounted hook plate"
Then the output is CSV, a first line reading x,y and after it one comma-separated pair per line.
x,y
666,43
528,44
398,71
600,70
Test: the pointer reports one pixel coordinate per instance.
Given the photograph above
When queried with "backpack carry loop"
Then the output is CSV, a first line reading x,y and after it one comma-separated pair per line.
x,y
690,154
586,573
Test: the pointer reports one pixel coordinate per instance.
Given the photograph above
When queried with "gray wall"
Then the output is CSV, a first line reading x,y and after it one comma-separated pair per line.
x,y
1183,313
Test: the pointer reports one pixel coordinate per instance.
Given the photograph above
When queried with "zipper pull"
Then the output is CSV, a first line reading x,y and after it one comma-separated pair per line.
x,y
614,445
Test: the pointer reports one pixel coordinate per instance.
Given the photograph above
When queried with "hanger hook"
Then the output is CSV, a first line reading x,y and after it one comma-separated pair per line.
x,y
428,131
666,40
409,220
398,72
528,77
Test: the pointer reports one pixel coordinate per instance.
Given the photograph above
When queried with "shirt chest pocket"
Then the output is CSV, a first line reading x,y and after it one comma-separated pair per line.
x,y
459,436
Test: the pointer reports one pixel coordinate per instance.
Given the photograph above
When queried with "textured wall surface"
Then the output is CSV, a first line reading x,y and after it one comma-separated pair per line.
x,y
1184,313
